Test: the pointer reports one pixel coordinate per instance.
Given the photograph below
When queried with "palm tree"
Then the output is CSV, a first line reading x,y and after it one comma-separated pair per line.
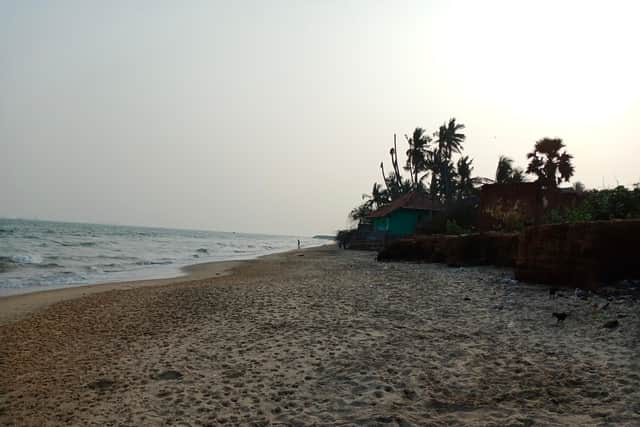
x,y
450,140
453,138
518,176
375,200
360,213
397,186
504,170
465,181
432,163
546,162
506,173
447,180
378,197
416,155
395,183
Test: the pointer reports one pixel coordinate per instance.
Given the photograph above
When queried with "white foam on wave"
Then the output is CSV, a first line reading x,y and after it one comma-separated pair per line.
x,y
27,259
66,254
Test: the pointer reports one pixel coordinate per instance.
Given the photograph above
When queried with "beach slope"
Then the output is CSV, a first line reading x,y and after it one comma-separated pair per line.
x,y
323,337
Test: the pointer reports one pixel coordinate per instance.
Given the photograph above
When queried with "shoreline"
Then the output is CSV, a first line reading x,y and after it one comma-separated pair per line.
x,y
19,306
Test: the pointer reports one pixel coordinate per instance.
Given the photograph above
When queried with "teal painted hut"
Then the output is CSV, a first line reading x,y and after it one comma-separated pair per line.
x,y
400,217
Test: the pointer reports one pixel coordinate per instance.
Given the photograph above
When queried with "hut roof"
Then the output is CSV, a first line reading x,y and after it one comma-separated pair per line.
x,y
412,200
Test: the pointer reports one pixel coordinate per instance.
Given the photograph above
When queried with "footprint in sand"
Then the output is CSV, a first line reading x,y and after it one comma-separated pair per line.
x,y
169,375
101,384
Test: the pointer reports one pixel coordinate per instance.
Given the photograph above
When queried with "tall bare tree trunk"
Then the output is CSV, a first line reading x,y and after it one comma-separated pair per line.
x,y
384,177
394,161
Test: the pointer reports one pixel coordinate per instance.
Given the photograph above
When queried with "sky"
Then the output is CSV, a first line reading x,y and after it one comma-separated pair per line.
x,y
273,116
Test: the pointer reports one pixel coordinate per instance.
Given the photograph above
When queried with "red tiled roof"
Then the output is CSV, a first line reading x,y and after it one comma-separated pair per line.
x,y
412,200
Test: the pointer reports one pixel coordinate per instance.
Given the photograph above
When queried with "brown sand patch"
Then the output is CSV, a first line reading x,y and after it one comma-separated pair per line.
x,y
329,338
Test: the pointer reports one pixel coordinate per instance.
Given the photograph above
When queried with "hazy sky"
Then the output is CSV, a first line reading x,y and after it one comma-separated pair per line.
x,y
273,116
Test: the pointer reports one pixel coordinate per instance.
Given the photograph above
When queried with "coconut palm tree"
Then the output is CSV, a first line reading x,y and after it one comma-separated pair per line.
x,y
416,155
449,140
378,197
453,137
518,176
506,173
504,170
548,164
360,213
397,186
466,184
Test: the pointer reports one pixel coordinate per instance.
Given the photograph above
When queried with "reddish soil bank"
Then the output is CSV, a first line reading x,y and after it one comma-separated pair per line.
x,y
582,255
472,249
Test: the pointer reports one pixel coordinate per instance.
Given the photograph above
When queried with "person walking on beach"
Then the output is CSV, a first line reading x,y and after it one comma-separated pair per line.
x,y
298,243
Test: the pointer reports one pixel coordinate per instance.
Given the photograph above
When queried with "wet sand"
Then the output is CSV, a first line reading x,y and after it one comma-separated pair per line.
x,y
324,337
16,307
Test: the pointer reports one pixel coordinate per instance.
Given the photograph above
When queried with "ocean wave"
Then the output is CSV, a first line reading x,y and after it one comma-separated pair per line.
x,y
40,254
79,244
112,264
154,262
22,259
6,265
49,265
11,263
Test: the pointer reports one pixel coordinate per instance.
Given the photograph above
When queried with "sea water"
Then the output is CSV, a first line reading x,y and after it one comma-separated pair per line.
x,y
40,255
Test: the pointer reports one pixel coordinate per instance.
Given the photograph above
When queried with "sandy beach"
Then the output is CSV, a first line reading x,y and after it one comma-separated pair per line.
x,y
319,337
16,307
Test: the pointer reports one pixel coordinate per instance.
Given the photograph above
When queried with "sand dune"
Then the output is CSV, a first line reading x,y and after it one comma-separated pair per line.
x,y
328,338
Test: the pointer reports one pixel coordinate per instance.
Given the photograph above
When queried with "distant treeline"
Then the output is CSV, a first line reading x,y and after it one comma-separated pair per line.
x,y
436,165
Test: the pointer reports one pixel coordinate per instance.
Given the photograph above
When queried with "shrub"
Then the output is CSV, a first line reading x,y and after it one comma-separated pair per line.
x,y
601,205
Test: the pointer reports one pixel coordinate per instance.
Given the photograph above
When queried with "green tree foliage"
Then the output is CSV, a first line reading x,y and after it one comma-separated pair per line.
x,y
449,140
451,179
506,173
602,205
549,164
395,184
466,184
417,156
378,197
360,213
